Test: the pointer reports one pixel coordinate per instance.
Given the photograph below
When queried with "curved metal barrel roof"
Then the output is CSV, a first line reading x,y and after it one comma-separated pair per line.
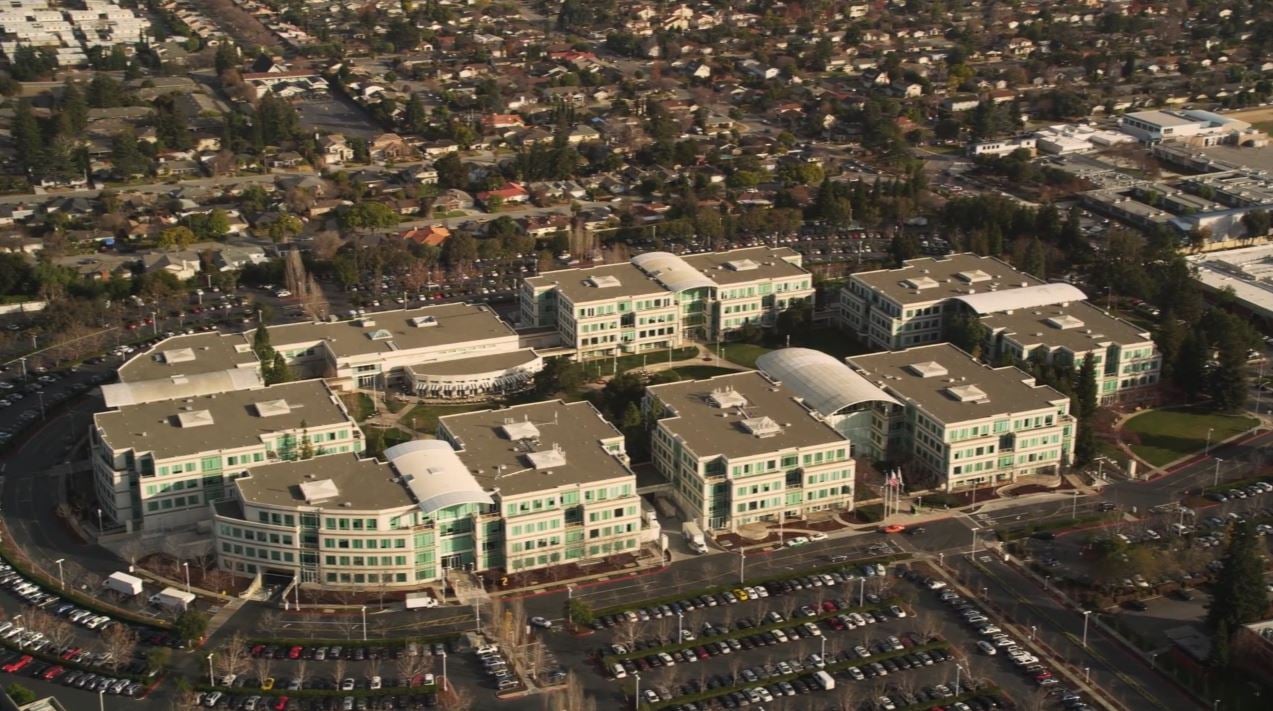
x,y
1026,297
435,475
671,271
826,384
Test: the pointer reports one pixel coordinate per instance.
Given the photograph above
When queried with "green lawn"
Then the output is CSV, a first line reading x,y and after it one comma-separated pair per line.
x,y
1168,435
359,405
698,372
744,354
424,418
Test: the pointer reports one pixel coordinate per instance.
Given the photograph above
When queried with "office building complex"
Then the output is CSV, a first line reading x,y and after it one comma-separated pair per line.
x,y
963,424
660,300
501,490
743,448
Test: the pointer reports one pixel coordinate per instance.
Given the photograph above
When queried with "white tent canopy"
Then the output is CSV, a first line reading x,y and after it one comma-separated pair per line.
x,y
1026,297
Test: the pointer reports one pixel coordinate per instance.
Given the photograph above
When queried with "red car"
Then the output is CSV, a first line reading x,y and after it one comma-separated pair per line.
x,y
257,649
295,652
892,528
281,704
18,665
70,653
829,606
52,673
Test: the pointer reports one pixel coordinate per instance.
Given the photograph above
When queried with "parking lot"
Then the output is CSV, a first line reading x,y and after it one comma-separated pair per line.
x,y
878,642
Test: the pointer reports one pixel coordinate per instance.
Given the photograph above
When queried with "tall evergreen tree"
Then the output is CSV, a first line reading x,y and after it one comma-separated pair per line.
x,y
27,138
1036,259
1239,595
1085,388
261,345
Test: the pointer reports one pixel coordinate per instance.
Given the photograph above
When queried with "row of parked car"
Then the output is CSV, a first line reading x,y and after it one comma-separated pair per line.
x,y
496,666
29,666
257,702
353,654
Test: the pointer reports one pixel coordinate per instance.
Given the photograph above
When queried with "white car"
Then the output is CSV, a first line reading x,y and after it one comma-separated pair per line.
x,y
541,622
797,541
375,683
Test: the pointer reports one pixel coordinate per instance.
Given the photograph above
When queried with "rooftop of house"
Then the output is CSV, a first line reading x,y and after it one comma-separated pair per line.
x,y
740,415
951,387
536,447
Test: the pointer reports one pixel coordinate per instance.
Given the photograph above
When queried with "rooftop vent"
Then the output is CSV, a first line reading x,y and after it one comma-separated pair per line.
x,y
1064,322
919,283
380,334
197,418
603,282
366,322
316,492
929,369
548,458
742,265
726,397
271,408
424,321
178,355
973,276
967,393
520,430
760,426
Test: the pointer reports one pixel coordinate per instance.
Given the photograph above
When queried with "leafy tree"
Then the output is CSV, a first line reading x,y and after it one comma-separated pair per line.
x,y
16,275
171,129
559,375
74,108
366,215
213,224
579,612
903,247
461,249
190,626
31,63
126,155
178,237
832,203
261,345
1190,368
965,331
1239,596
227,57
795,319
28,140
277,370
1036,259
278,120
1085,401
1257,223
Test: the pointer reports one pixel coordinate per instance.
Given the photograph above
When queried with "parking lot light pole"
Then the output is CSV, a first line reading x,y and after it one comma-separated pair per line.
x,y
1219,461
1033,629
186,566
1087,675
212,681
61,582
973,548
1207,449
680,632
101,699
1074,514
958,668
824,648
862,592
444,670
1086,613
364,623
636,694
742,560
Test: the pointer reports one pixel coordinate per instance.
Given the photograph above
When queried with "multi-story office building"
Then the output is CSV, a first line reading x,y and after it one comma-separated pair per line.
x,y
559,477
501,490
963,424
1126,357
742,448
449,351
157,465
911,306
660,300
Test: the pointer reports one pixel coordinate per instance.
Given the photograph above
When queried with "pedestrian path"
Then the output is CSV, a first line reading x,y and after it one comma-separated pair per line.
x,y
223,615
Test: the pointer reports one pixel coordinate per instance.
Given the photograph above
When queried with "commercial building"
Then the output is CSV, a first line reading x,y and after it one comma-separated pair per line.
x,y
660,300
501,490
962,424
1126,358
451,351
743,448
1192,126
1246,273
157,465
445,352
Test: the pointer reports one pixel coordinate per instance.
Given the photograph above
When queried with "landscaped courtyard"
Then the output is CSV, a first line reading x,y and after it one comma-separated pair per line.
x,y
1160,437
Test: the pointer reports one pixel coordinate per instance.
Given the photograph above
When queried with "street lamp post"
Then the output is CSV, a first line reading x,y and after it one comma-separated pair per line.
x,y
1033,629
61,582
570,592
973,548
636,694
742,560
364,623
1219,461
1207,450
1086,613
680,630
101,699
958,668
1087,674
212,681
824,648
186,566
862,592
99,521
444,670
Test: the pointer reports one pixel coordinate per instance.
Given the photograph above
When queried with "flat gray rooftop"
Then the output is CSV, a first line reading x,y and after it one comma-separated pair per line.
x,y
756,263
476,365
1077,326
365,484
579,285
498,462
706,432
192,354
394,330
234,419
940,278
952,371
